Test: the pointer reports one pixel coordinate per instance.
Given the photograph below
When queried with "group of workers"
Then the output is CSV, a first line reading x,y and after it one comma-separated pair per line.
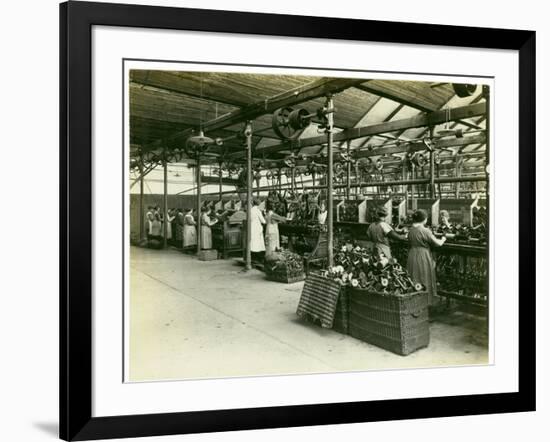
x,y
420,262
181,231
271,243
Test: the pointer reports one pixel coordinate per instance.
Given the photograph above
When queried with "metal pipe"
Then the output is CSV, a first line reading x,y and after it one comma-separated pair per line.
x,y
141,220
413,187
330,225
165,201
221,181
248,134
348,188
199,216
432,174
417,181
142,173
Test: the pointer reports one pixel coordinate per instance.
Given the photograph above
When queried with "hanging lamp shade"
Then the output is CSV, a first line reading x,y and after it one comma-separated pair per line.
x,y
196,145
200,139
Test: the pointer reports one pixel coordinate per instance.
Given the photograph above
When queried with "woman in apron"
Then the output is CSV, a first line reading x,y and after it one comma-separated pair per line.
x,y
421,264
272,220
169,218
206,231
257,244
380,232
189,229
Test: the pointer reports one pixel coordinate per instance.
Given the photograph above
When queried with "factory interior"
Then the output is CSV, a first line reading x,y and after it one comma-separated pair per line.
x,y
290,224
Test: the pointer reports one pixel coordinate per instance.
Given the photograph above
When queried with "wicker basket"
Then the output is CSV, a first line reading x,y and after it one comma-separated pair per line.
x,y
283,274
341,316
398,323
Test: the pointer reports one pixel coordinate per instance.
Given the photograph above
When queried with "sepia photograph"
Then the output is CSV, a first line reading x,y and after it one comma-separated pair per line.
x,y
283,222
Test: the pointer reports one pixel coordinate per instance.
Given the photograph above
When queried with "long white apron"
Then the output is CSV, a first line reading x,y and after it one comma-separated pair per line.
x,y
256,231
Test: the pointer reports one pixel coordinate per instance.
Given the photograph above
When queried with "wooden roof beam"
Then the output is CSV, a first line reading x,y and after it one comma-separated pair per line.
x,y
294,96
400,96
421,120
413,146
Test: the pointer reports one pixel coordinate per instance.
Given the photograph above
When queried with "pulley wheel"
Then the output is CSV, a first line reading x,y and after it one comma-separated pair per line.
x,y
299,119
280,122
419,159
464,90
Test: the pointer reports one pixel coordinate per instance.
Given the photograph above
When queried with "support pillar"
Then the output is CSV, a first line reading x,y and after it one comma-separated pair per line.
x,y
165,201
198,179
248,134
330,224
348,188
141,217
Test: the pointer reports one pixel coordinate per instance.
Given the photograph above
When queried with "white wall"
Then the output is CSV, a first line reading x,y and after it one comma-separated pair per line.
x,y
29,164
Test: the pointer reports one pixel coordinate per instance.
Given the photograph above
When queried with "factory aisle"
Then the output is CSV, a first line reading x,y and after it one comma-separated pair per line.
x,y
193,319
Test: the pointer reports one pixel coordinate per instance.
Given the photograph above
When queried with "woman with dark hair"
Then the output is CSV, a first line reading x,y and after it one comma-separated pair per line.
x,y
189,229
421,264
179,224
169,218
380,232
155,238
272,220
206,231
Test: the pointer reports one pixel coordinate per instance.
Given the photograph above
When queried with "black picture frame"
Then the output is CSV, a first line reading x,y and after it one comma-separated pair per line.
x,y
76,21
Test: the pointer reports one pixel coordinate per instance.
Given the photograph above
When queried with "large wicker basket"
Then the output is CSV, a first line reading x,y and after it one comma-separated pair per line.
x,y
284,274
398,323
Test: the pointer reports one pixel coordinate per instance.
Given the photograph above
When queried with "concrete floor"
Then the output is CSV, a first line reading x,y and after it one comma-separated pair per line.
x,y
193,319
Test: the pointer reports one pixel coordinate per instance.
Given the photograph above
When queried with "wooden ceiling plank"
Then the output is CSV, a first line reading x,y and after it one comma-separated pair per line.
x,y
421,120
298,95
422,98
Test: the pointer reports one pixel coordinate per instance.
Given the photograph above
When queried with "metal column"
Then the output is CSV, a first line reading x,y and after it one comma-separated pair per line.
x,y
199,221
221,181
248,134
165,200
141,219
330,224
432,174
486,93
348,189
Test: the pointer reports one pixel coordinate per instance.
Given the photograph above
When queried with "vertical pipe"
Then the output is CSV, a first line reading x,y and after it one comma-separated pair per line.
x,y
293,179
486,93
432,174
248,133
199,217
330,225
357,180
165,200
221,182
458,174
413,187
348,188
141,219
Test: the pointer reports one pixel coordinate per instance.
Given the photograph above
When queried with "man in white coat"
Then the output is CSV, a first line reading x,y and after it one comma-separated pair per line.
x,y
257,243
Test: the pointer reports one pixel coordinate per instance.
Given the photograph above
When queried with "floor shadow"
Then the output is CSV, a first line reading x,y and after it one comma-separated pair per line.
x,y
51,428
